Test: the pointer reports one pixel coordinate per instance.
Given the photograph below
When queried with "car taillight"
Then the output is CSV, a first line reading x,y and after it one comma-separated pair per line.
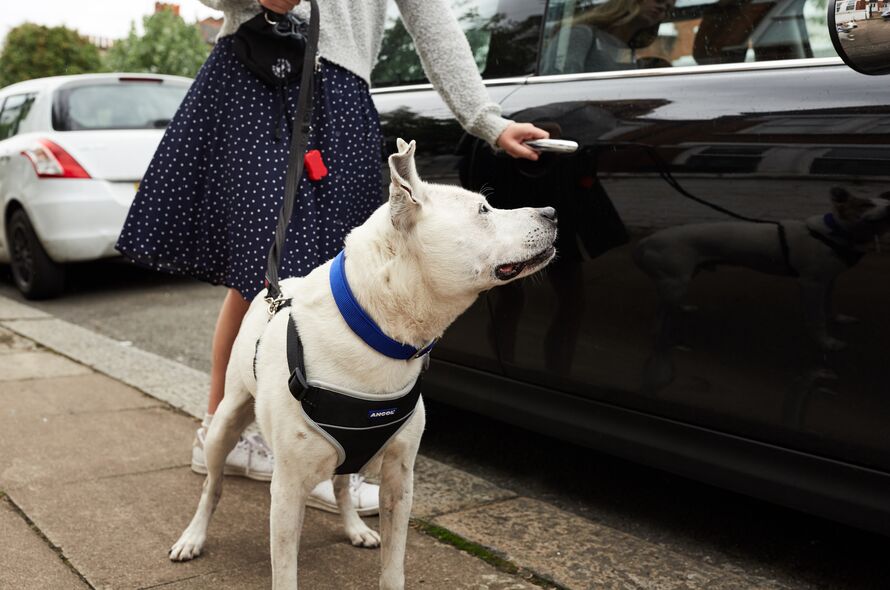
x,y
51,161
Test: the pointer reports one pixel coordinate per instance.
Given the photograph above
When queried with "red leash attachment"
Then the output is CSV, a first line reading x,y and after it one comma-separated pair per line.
x,y
315,168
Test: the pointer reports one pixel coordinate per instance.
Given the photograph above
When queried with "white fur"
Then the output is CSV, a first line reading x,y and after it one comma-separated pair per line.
x,y
416,264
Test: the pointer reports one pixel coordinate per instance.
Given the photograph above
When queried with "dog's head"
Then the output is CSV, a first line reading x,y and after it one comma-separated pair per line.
x,y
464,244
862,217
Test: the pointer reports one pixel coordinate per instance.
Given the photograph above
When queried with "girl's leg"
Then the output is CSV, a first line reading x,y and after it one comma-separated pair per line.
x,y
251,456
227,324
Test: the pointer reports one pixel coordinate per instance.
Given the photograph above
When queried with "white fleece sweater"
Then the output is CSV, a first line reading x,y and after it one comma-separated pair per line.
x,y
351,34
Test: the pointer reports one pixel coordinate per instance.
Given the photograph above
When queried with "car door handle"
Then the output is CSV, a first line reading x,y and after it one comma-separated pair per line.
x,y
556,146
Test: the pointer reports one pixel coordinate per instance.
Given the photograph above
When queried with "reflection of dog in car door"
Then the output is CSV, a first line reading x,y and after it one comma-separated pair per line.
x,y
417,263
815,250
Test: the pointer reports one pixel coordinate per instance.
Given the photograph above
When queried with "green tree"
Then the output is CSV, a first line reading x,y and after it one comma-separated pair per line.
x,y
169,46
34,51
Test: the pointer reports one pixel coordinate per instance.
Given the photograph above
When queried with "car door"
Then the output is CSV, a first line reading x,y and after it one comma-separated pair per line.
x,y
675,293
503,36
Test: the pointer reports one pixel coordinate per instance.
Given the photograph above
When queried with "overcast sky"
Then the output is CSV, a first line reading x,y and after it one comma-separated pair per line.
x,y
99,18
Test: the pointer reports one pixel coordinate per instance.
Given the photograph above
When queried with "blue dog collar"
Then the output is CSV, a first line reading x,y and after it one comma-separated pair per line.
x,y
361,323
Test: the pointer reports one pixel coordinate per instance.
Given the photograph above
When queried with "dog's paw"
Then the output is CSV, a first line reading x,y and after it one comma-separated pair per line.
x,y
364,537
188,547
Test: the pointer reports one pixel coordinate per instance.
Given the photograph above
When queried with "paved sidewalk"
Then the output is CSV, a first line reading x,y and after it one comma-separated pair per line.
x,y
95,486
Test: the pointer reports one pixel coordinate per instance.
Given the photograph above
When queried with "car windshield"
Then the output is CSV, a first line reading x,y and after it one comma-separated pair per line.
x,y
118,104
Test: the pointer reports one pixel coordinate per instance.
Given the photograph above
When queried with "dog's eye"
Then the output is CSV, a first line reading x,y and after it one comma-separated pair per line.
x,y
483,208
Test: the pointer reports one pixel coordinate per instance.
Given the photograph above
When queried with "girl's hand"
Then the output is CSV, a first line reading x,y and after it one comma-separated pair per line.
x,y
510,140
279,6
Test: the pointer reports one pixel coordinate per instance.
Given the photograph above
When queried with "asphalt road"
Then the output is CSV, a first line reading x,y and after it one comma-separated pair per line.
x,y
174,317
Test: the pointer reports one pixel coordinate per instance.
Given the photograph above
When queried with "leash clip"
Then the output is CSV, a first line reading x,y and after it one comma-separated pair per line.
x,y
274,304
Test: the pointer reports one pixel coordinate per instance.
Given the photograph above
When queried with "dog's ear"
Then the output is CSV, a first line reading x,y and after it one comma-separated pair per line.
x,y
404,186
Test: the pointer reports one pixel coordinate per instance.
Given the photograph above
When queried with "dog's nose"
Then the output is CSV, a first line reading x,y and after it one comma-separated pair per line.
x,y
548,213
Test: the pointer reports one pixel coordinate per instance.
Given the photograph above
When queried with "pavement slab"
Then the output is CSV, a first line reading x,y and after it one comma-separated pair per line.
x,y
428,565
116,532
77,394
440,489
180,386
578,553
27,562
41,448
34,364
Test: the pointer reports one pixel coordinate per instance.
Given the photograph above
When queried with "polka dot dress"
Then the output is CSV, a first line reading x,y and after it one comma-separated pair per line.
x,y
208,204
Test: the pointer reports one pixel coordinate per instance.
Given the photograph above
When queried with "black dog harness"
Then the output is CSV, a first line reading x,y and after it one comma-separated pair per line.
x,y
357,424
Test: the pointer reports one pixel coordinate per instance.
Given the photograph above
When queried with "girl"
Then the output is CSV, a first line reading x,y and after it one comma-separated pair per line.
x,y
209,201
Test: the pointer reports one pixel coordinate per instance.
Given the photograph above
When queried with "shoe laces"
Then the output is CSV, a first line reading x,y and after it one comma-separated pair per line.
x,y
355,481
256,444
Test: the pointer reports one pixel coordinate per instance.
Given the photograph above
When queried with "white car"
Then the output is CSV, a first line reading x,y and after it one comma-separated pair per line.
x,y
72,152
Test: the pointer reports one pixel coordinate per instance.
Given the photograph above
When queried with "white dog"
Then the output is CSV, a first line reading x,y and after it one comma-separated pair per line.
x,y
416,264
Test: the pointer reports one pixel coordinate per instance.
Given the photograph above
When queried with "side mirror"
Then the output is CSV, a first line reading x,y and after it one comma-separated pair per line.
x,y
860,32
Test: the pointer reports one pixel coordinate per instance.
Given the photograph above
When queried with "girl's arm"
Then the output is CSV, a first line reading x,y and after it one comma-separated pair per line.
x,y
449,65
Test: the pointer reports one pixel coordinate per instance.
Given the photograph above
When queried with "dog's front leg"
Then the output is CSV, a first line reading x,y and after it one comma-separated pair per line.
x,y
396,497
233,415
359,534
289,496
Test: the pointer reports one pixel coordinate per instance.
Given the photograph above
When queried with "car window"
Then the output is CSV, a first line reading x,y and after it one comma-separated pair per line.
x,y
503,35
15,109
116,105
605,35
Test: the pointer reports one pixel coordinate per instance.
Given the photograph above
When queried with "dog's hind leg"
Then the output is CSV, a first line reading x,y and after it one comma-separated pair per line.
x,y
396,497
359,534
231,418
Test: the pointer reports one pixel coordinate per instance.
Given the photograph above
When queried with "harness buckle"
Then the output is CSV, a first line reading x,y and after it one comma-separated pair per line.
x,y
297,386
274,304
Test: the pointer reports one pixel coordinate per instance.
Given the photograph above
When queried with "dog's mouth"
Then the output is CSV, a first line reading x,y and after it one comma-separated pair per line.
x,y
505,272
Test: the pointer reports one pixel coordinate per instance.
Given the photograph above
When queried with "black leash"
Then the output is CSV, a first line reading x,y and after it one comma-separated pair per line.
x,y
298,143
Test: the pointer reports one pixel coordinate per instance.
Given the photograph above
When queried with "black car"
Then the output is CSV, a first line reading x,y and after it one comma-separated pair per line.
x,y
720,306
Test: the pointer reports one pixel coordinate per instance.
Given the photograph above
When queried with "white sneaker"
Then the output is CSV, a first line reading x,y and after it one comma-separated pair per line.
x,y
365,496
251,457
